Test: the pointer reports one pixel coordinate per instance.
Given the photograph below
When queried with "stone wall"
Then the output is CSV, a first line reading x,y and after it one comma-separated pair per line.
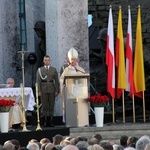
x,y
100,10
100,17
66,27
10,59
9,40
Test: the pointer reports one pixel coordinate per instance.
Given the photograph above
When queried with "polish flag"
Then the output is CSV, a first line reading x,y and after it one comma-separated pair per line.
x,y
110,62
129,56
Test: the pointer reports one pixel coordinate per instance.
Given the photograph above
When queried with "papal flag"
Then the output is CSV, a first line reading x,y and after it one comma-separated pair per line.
x,y
120,57
110,58
139,75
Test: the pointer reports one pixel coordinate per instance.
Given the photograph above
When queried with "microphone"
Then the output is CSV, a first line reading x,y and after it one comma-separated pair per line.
x,y
77,70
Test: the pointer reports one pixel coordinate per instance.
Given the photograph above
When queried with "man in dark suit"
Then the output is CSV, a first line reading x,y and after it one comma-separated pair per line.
x,y
48,88
64,65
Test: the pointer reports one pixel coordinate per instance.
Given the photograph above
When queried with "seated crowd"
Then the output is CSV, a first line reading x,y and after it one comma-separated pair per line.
x,y
96,142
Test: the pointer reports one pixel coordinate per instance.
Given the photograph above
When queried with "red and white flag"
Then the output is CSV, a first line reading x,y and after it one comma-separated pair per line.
x,y
129,56
110,62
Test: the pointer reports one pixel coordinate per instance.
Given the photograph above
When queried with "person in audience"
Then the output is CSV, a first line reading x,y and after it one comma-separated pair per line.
x,y
70,147
98,137
106,145
93,141
64,143
16,143
44,140
95,147
43,146
16,116
8,146
33,140
72,141
118,147
123,140
129,148
82,145
33,146
23,148
57,139
147,147
142,142
80,138
68,138
131,142
50,146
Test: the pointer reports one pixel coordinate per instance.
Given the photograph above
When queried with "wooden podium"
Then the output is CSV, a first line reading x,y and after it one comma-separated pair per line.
x,y
76,104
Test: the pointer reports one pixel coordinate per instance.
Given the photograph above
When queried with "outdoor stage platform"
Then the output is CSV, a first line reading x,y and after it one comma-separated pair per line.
x,y
48,132
25,136
110,131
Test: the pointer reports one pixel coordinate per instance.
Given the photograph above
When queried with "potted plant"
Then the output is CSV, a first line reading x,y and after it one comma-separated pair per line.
x,y
99,101
5,106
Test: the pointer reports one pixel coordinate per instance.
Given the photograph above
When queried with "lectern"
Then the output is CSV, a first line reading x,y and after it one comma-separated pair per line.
x,y
76,104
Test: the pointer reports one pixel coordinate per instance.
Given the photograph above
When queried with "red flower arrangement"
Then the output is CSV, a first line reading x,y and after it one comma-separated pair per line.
x,y
98,100
5,105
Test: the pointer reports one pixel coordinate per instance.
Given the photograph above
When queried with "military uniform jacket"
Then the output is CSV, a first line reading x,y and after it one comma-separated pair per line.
x,y
47,80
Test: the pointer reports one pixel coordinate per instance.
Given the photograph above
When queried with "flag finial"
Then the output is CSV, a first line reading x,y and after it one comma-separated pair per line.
x,y
110,6
119,7
139,6
128,6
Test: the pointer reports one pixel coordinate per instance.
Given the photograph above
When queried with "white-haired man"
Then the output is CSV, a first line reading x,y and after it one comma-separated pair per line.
x,y
73,68
16,116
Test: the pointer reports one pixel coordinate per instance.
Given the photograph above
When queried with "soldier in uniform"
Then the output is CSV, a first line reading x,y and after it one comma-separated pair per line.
x,y
48,87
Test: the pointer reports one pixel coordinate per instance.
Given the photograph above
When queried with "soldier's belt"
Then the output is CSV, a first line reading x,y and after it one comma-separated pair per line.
x,y
47,81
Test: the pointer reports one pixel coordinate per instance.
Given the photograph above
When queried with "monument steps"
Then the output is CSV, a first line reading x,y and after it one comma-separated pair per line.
x,y
112,131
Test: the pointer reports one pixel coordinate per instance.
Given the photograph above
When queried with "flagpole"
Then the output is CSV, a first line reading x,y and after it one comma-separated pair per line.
x,y
129,62
113,104
110,61
133,108
123,106
139,75
144,107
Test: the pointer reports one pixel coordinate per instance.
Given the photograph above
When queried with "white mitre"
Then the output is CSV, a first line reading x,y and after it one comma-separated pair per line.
x,y
72,53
